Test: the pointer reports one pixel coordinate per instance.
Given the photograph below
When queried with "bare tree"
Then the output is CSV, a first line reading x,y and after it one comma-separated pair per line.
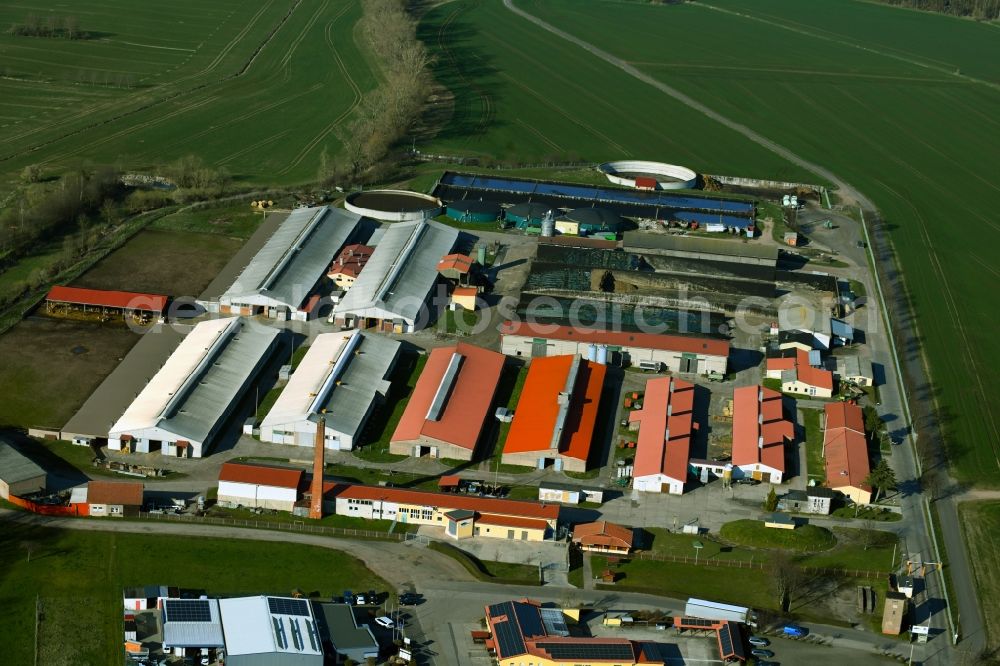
x,y
786,576
29,547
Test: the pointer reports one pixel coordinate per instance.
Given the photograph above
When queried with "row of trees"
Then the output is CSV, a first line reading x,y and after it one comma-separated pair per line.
x,y
978,9
387,112
53,25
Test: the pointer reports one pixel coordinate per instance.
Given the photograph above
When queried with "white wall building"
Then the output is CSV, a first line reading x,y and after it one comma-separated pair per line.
x,y
345,375
187,402
263,486
270,630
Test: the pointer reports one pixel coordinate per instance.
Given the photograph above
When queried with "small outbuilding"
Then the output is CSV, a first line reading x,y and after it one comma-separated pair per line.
x,y
816,500
342,635
894,614
264,486
19,475
114,498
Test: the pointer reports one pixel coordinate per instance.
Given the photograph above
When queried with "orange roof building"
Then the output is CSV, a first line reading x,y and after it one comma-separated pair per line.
x,y
554,418
603,537
846,451
264,486
450,404
798,376
454,266
522,632
490,517
103,299
347,266
677,353
114,498
664,444
759,434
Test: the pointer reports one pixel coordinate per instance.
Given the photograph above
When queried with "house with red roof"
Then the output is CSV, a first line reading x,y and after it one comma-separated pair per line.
x,y
554,418
603,537
664,443
677,353
798,375
450,405
846,451
460,516
263,486
760,431
348,264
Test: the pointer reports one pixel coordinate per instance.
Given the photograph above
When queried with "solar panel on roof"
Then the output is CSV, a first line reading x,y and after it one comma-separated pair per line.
x,y
187,610
529,619
731,640
283,606
500,609
509,640
588,650
698,622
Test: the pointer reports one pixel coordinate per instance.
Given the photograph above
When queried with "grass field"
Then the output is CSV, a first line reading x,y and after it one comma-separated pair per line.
x,y
50,367
906,115
176,263
981,525
234,220
815,464
256,87
75,572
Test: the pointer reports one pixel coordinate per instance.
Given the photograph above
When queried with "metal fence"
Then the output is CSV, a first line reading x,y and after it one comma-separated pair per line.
x,y
293,526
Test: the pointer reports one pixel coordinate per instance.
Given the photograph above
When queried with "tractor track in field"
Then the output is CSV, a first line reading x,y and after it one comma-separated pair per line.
x,y
167,98
488,112
344,115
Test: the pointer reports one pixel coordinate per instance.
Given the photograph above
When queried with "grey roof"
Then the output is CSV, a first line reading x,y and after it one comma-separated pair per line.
x,y
15,466
841,329
646,241
401,272
337,625
194,633
347,405
295,257
596,217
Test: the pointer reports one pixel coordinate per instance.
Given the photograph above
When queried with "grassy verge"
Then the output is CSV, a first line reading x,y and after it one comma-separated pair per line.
x,y
375,440
268,402
868,513
772,383
489,571
70,569
752,533
980,524
815,465
511,383
575,574
231,219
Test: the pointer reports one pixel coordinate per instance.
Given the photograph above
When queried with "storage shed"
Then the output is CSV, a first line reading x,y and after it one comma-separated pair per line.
x,y
19,475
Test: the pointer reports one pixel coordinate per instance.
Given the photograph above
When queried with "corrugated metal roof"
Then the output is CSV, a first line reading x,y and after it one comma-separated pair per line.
x,y
263,475
344,385
640,240
665,420
294,258
400,273
678,343
251,628
194,389
537,414
195,634
467,405
15,466
130,300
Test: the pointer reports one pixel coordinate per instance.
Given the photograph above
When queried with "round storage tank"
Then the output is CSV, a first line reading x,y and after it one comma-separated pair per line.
x,y
527,215
594,220
393,205
476,210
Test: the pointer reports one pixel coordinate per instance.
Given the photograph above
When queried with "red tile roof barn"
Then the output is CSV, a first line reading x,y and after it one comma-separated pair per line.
x,y
468,404
603,533
655,454
261,475
126,300
450,501
759,429
804,372
845,447
460,263
677,343
125,493
537,410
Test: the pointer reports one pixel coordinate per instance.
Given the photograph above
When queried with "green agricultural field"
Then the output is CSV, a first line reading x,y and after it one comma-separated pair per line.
x,y
908,116
522,95
257,87
73,572
981,523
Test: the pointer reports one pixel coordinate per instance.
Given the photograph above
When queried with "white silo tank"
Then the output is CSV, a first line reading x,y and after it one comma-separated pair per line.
x,y
592,353
549,224
794,201
602,354
786,201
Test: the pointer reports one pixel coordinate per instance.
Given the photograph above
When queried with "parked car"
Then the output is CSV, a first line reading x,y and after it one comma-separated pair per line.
x,y
348,597
409,599
794,631
759,641
360,599
748,482
372,597
766,654
385,621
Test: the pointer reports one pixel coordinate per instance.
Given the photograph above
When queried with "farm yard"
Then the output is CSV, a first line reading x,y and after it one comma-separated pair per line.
x,y
900,116
257,88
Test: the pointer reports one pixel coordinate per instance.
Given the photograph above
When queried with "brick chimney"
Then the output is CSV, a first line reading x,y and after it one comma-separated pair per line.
x,y
316,506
